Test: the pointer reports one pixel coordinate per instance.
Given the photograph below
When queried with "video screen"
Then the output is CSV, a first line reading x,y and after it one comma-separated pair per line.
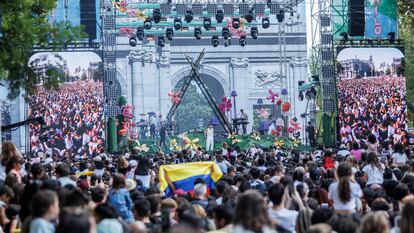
x,y
73,113
371,95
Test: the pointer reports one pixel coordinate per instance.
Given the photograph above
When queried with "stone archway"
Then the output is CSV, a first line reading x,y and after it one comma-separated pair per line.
x,y
194,111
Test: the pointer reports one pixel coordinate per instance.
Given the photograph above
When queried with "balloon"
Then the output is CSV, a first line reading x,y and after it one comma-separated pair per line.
x,y
279,102
280,122
286,107
284,91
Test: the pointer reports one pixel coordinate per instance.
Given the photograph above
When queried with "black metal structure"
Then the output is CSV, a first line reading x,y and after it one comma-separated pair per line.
x,y
196,76
36,120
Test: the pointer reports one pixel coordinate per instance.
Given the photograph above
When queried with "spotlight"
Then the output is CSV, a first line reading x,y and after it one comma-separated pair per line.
x,y
344,36
313,92
147,24
207,23
254,32
300,97
189,16
140,33
308,95
243,40
265,22
236,23
177,23
133,41
215,41
156,15
219,16
161,41
300,83
169,33
197,33
391,37
227,42
249,17
280,16
225,33
315,78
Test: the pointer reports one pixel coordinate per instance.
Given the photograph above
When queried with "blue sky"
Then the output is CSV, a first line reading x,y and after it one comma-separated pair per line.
x,y
379,55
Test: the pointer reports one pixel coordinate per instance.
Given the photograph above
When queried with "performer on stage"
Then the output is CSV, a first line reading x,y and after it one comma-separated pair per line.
x,y
244,116
310,129
209,132
153,126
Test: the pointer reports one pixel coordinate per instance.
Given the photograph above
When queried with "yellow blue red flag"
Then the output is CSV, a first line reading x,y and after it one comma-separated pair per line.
x,y
182,176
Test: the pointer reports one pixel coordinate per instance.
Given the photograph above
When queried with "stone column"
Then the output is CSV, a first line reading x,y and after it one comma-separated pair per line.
x,y
241,83
164,81
150,82
136,58
128,79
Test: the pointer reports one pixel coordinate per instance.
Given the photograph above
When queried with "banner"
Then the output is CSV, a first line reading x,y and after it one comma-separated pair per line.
x,y
182,176
380,18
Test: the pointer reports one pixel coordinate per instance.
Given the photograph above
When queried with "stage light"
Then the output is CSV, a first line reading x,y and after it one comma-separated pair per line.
x,y
140,33
391,37
265,22
147,24
280,16
169,33
197,33
249,17
344,36
177,23
189,16
236,23
308,95
156,15
300,97
300,83
219,16
313,92
133,41
254,32
161,41
315,78
215,41
227,43
207,23
225,33
243,40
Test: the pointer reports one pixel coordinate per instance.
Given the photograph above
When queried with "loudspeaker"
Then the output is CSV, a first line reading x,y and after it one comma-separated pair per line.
x,y
356,16
88,17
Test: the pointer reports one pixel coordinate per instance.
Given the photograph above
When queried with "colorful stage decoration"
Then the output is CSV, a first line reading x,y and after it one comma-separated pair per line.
x,y
272,96
126,31
175,97
124,121
225,105
279,143
179,178
140,147
284,91
286,107
237,32
256,136
137,14
234,139
121,6
174,146
191,143
263,113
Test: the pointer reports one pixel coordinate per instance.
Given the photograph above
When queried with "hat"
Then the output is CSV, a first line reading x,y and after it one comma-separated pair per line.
x,y
84,185
130,184
133,163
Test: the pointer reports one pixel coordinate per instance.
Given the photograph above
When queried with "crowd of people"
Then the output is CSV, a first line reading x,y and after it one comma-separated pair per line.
x,y
375,105
262,190
73,117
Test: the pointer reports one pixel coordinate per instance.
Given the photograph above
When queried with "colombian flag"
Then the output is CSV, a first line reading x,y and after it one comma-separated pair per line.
x,y
183,175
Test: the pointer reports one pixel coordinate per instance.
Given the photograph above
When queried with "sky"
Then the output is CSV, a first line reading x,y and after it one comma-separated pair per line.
x,y
379,55
74,59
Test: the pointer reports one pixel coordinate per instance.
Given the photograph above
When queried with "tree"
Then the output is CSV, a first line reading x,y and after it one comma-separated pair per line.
x,y
192,109
387,71
98,73
24,25
406,29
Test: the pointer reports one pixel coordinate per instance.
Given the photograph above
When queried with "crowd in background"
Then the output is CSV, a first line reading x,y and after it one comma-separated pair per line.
x,y
373,106
74,119
368,189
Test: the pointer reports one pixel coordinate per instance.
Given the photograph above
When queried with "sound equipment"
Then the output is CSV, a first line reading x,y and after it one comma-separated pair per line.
x,y
88,17
356,16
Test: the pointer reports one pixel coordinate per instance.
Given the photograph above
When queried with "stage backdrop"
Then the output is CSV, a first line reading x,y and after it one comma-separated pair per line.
x,y
371,94
380,18
74,112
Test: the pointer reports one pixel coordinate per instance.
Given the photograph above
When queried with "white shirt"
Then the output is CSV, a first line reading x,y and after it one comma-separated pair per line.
x,y
375,175
210,132
333,194
285,218
399,158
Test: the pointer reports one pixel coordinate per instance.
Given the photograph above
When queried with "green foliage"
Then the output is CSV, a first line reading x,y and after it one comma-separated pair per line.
x,y
25,24
193,110
406,29
98,73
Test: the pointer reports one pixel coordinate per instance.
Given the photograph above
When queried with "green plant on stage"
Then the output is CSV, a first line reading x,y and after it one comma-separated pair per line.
x,y
25,23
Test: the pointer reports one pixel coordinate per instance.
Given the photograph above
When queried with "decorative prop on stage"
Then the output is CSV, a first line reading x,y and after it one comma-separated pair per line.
x,y
191,143
140,147
196,76
272,96
225,105
175,97
124,122
286,107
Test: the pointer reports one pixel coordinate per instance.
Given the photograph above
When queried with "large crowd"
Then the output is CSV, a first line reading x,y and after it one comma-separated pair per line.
x,y
375,105
73,119
262,190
